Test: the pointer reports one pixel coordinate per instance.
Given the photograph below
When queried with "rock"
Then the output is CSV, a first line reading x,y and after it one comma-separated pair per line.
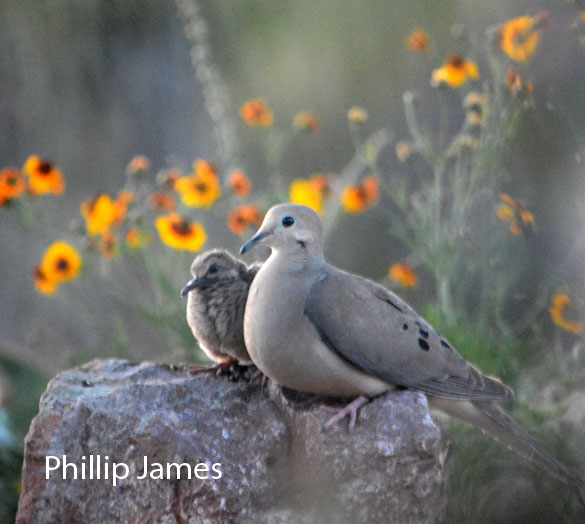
x,y
277,462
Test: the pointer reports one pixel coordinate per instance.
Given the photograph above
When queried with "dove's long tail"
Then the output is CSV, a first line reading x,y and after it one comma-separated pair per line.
x,y
491,419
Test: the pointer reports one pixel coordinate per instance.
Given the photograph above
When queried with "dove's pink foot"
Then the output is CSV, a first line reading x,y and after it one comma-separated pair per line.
x,y
350,410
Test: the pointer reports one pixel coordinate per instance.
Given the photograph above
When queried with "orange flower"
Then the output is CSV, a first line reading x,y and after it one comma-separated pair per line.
x,y
418,41
560,303
43,284
201,189
519,37
177,233
61,263
306,121
139,163
12,184
514,81
404,150
136,238
168,178
160,201
403,275
519,217
43,177
516,86
108,245
242,217
455,72
306,194
256,113
240,183
357,115
122,203
321,183
356,199
101,213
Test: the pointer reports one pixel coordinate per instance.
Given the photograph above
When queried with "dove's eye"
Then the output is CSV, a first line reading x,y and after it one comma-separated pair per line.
x,y
288,221
213,269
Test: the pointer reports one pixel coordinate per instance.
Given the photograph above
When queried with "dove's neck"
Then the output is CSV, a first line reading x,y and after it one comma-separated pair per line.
x,y
300,261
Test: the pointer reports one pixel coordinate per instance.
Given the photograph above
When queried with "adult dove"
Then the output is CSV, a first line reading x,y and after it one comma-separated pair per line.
x,y
215,307
314,328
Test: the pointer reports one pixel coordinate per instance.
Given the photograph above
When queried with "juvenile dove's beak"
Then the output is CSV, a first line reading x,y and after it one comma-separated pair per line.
x,y
192,284
252,242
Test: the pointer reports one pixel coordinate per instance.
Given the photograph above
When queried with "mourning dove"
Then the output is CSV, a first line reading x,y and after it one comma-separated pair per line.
x,y
215,307
315,328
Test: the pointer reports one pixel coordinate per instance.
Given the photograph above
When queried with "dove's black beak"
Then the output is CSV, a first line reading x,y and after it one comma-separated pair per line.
x,y
252,242
193,284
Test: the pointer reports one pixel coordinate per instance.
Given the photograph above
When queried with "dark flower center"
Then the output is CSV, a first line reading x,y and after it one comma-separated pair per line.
x,y
44,167
182,228
202,187
62,264
457,61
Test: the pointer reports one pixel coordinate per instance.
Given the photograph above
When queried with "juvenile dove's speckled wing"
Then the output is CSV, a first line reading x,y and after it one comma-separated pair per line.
x,y
380,334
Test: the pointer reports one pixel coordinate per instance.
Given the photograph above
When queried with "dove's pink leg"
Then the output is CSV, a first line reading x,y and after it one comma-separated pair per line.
x,y
351,409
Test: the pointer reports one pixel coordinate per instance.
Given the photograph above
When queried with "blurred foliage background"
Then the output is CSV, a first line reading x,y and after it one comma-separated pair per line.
x,y
90,85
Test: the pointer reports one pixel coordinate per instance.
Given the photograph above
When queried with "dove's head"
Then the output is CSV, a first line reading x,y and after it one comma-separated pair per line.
x,y
213,267
290,228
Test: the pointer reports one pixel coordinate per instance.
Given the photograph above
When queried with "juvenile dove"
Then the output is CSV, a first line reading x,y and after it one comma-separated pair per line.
x,y
215,306
315,328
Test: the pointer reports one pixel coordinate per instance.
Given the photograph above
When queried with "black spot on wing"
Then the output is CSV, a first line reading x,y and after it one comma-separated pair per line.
x,y
423,333
423,344
405,326
445,344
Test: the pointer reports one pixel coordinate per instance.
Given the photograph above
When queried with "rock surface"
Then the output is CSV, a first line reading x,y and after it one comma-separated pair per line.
x,y
278,463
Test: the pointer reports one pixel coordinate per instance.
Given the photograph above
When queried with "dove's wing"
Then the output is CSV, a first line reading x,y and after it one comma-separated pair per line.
x,y
381,335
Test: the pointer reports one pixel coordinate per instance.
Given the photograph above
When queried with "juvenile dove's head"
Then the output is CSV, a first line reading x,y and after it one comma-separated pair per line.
x,y
289,228
211,268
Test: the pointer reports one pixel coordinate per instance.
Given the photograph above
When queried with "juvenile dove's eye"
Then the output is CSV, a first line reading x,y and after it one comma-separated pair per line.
x,y
213,269
288,221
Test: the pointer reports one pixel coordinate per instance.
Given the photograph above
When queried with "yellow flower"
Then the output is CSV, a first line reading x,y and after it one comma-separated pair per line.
x,y
519,37
356,199
256,113
177,233
304,193
306,121
357,115
136,238
101,213
43,177
240,183
12,184
201,189
403,275
242,217
455,72
61,263
560,303
418,41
